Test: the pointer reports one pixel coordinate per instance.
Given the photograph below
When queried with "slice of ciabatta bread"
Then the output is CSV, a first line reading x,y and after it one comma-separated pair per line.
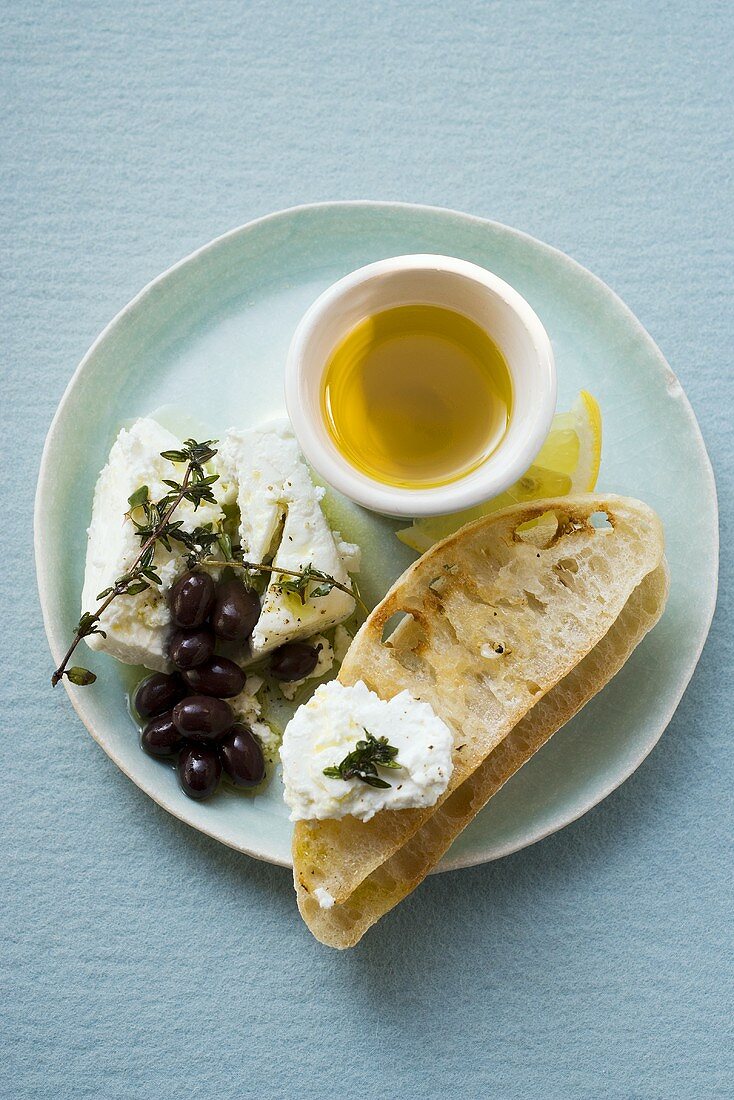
x,y
497,614
344,925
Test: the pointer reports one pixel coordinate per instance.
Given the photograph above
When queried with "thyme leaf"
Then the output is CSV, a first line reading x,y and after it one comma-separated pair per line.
x,y
291,580
298,585
82,677
363,762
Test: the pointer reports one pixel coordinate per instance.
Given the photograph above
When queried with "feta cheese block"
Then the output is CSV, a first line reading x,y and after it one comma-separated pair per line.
x,y
306,540
273,488
137,626
327,728
255,463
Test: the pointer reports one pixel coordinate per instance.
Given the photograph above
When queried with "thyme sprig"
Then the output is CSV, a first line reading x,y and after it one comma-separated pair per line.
x,y
363,762
153,526
301,578
299,586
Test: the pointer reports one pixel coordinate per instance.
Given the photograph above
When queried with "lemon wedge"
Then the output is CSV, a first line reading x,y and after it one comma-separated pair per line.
x,y
568,462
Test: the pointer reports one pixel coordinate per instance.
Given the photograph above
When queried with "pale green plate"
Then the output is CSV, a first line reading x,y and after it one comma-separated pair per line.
x,y
210,336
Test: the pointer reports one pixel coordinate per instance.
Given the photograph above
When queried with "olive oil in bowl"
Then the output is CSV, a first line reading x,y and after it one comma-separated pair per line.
x,y
416,396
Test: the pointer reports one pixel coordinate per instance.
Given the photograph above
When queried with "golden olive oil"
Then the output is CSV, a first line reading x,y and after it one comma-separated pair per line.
x,y
417,396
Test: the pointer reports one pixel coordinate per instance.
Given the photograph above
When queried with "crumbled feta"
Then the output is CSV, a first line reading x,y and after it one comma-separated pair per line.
x,y
137,626
268,737
326,728
351,553
246,705
248,709
323,897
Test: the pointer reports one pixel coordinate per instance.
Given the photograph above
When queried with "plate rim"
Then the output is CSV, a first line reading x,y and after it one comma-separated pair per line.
x,y
43,486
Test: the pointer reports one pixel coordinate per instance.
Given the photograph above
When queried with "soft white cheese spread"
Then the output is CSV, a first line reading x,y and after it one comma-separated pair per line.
x,y
326,728
137,626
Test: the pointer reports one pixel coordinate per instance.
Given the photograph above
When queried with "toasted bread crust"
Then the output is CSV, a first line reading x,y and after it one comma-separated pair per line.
x,y
344,925
497,615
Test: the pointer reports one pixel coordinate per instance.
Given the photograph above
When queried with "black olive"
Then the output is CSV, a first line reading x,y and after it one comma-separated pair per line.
x,y
199,771
242,756
157,693
218,676
293,661
191,599
188,648
202,718
236,610
160,737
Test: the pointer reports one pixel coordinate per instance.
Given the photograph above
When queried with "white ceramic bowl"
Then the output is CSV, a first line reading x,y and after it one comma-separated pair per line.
x,y
430,280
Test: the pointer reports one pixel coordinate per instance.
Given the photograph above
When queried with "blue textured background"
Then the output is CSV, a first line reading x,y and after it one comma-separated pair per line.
x,y
140,959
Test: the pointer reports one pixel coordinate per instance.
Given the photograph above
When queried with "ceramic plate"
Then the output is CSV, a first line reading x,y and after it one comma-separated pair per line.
x,y
210,336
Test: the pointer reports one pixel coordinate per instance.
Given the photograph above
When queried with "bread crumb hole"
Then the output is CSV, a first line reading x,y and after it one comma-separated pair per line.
x,y
406,643
569,564
533,602
539,532
601,521
412,662
565,575
438,586
392,625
